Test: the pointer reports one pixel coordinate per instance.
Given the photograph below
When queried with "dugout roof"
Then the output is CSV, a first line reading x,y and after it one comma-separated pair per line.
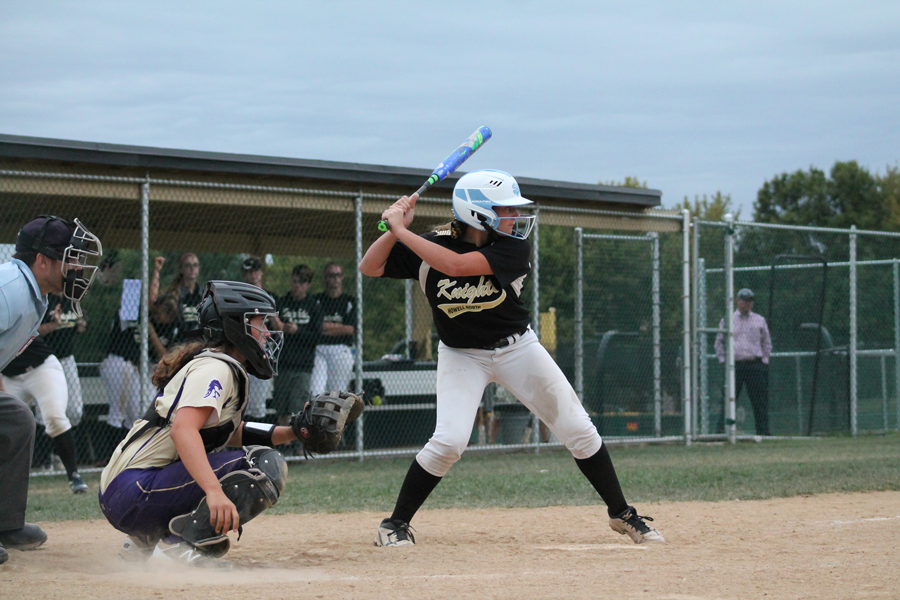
x,y
234,180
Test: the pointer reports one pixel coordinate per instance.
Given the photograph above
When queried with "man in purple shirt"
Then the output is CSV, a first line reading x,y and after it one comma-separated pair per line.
x,y
752,348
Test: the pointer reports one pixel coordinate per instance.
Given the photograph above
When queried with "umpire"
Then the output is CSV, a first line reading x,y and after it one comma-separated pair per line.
x,y
752,348
52,255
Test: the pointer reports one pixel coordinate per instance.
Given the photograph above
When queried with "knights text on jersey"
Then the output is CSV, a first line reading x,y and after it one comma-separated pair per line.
x,y
472,311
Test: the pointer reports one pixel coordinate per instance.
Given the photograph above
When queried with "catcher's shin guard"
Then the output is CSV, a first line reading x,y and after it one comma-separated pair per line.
x,y
270,462
251,491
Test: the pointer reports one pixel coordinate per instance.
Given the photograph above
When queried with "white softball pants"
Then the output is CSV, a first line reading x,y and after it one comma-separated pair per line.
x,y
45,386
123,385
259,391
525,369
75,407
333,368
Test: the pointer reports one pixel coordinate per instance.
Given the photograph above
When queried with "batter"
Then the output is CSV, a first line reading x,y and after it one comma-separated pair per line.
x,y
472,273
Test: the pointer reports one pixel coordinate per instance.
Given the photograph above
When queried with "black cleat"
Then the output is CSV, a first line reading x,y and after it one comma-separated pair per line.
x,y
28,537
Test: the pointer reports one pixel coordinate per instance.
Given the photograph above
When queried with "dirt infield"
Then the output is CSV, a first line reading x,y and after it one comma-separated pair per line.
x,y
829,546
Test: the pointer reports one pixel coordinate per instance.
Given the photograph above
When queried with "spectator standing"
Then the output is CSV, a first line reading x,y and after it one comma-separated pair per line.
x,y
334,357
37,376
260,389
52,255
752,349
189,294
300,318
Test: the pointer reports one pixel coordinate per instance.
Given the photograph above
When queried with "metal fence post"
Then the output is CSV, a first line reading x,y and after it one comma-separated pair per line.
x,y
695,334
687,346
358,357
703,367
730,400
853,339
145,295
799,376
657,355
897,338
579,313
536,273
884,392
536,307
408,294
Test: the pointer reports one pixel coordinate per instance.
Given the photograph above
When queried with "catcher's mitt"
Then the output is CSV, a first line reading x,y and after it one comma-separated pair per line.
x,y
321,422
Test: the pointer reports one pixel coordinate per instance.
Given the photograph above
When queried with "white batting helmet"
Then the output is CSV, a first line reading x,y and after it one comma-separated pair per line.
x,y
477,193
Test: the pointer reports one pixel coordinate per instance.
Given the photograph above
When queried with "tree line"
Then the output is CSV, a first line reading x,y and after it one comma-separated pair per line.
x,y
848,194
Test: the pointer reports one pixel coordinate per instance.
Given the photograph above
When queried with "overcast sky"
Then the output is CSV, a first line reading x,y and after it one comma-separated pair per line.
x,y
691,97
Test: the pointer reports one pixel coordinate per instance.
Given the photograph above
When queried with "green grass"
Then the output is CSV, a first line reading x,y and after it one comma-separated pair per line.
x,y
712,472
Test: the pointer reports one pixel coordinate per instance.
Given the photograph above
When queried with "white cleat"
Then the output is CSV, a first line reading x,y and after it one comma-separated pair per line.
x,y
394,533
135,549
187,554
634,526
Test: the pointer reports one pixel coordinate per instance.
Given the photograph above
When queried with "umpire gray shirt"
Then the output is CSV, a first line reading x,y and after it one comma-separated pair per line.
x,y
21,309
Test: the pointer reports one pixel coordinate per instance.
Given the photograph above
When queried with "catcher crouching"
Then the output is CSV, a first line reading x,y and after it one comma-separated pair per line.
x,y
174,485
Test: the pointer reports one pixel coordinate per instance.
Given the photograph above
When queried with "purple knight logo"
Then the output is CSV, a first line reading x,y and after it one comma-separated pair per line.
x,y
215,388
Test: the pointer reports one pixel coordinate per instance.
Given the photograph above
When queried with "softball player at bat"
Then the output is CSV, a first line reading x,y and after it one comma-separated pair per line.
x,y
472,273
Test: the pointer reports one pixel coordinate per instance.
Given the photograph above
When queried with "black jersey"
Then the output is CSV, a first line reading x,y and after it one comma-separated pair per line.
x,y
59,342
62,339
188,301
167,333
299,351
472,311
125,339
32,356
340,310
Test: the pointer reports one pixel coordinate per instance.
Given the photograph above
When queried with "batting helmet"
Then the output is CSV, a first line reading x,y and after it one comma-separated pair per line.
x,y
477,193
225,312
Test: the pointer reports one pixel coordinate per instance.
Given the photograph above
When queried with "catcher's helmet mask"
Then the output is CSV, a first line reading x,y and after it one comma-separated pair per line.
x,y
477,193
77,249
225,312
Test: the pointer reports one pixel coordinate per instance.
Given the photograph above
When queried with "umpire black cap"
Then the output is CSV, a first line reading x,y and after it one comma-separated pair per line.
x,y
745,294
46,234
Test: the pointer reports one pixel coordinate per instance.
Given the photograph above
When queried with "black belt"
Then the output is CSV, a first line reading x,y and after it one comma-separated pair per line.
x,y
748,361
508,340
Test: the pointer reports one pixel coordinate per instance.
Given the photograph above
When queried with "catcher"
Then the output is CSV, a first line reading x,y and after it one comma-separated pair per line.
x,y
172,485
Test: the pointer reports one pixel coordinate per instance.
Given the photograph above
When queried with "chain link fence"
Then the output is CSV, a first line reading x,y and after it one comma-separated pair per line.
x,y
830,298
610,295
629,331
163,238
